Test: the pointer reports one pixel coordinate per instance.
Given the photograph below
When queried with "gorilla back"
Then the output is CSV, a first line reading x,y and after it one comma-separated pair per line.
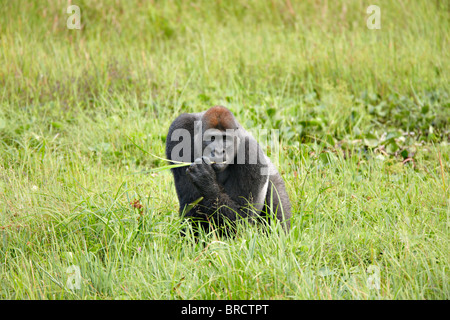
x,y
228,170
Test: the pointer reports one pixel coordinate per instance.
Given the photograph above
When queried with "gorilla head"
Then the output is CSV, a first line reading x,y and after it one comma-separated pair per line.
x,y
220,137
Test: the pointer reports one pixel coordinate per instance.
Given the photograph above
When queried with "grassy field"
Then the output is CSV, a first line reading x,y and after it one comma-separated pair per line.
x,y
363,117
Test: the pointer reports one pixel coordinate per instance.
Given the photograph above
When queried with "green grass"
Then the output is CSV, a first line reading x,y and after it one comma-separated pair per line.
x,y
363,118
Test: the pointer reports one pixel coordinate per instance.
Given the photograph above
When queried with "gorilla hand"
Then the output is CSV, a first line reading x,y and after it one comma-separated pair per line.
x,y
203,176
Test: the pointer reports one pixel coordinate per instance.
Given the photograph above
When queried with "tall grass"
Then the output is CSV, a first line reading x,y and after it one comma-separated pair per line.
x,y
69,100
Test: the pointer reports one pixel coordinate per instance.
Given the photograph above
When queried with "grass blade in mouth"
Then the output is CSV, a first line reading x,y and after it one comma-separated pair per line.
x,y
154,170
159,169
151,154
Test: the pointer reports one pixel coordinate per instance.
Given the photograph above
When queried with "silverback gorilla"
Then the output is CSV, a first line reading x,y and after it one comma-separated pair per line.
x,y
229,171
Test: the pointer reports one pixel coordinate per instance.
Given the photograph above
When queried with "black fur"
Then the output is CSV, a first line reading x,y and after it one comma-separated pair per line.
x,y
232,193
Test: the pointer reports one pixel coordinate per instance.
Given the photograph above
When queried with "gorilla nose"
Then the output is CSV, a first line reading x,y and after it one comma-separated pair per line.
x,y
218,154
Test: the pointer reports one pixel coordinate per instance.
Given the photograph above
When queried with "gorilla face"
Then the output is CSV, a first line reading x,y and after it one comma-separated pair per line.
x,y
220,147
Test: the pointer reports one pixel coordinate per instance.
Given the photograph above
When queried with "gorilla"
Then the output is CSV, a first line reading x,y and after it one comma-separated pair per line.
x,y
229,172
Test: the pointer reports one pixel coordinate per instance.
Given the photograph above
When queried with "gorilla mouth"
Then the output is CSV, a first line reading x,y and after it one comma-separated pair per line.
x,y
219,166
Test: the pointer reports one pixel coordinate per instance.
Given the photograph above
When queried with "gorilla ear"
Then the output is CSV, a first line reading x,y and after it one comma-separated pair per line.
x,y
198,139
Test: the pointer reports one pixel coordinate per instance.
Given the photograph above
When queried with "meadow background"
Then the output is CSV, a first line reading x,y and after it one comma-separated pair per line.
x,y
364,127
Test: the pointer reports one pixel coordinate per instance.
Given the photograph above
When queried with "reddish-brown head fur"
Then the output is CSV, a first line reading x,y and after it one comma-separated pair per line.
x,y
220,118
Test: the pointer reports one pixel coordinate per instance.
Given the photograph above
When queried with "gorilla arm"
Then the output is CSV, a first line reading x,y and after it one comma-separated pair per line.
x,y
240,195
